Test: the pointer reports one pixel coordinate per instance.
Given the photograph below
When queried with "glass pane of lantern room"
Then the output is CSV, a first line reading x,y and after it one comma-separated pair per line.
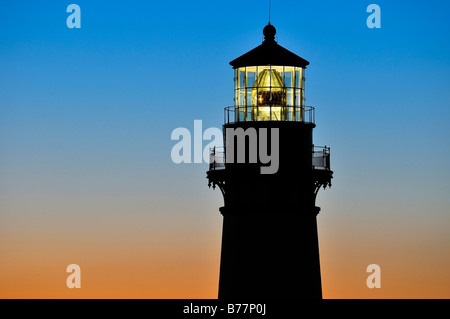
x,y
241,97
254,100
300,78
251,76
302,72
278,95
303,99
289,104
288,76
289,82
250,79
298,97
236,87
241,78
261,93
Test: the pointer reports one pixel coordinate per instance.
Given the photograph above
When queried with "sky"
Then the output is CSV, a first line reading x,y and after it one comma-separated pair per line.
x,y
86,116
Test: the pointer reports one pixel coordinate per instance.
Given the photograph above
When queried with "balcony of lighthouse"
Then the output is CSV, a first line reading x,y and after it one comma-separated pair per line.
x,y
320,158
236,114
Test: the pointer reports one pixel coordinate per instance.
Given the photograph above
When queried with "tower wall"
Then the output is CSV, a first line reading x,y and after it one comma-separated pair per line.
x,y
269,240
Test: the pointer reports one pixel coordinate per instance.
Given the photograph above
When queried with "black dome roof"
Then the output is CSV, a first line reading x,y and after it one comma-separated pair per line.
x,y
269,52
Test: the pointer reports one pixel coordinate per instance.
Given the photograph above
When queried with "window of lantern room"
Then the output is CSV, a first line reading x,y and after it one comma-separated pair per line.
x,y
269,93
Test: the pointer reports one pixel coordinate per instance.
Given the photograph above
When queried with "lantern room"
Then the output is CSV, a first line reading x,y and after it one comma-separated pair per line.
x,y
269,83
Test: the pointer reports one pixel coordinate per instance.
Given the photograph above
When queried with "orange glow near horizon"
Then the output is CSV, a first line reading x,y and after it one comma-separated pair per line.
x,y
161,266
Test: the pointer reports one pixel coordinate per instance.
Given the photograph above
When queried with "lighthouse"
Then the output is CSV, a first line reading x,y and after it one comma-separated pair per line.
x,y
269,172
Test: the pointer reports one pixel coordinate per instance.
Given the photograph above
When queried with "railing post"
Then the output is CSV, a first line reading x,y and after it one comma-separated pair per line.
x,y
328,158
211,158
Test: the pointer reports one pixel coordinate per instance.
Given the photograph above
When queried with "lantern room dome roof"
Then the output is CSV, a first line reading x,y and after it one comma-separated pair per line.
x,y
269,52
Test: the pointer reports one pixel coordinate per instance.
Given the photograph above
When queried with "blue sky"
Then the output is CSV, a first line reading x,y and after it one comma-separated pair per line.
x,y
118,86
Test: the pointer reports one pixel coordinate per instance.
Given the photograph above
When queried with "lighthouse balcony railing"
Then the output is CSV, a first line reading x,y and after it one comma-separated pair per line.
x,y
235,114
216,158
321,157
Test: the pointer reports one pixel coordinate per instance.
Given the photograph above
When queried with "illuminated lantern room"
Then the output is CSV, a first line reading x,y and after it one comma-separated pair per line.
x,y
269,84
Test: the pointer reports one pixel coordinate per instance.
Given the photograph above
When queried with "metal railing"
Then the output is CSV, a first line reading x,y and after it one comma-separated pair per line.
x,y
216,158
321,157
234,114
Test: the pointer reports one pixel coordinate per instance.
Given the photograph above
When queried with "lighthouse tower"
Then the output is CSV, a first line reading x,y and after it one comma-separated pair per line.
x,y
269,240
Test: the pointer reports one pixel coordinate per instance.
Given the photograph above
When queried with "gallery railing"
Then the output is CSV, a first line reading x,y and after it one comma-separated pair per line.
x,y
320,158
234,114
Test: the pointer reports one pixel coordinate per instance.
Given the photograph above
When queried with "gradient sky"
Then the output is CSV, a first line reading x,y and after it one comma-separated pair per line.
x,y
86,117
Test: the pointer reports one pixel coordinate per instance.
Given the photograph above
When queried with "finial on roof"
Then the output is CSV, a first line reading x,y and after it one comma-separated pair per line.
x,y
269,32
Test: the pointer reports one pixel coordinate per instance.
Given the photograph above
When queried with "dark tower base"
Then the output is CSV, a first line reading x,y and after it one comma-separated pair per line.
x,y
269,256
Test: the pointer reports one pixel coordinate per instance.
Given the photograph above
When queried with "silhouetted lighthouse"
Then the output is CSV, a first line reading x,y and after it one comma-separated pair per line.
x,y
269,241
